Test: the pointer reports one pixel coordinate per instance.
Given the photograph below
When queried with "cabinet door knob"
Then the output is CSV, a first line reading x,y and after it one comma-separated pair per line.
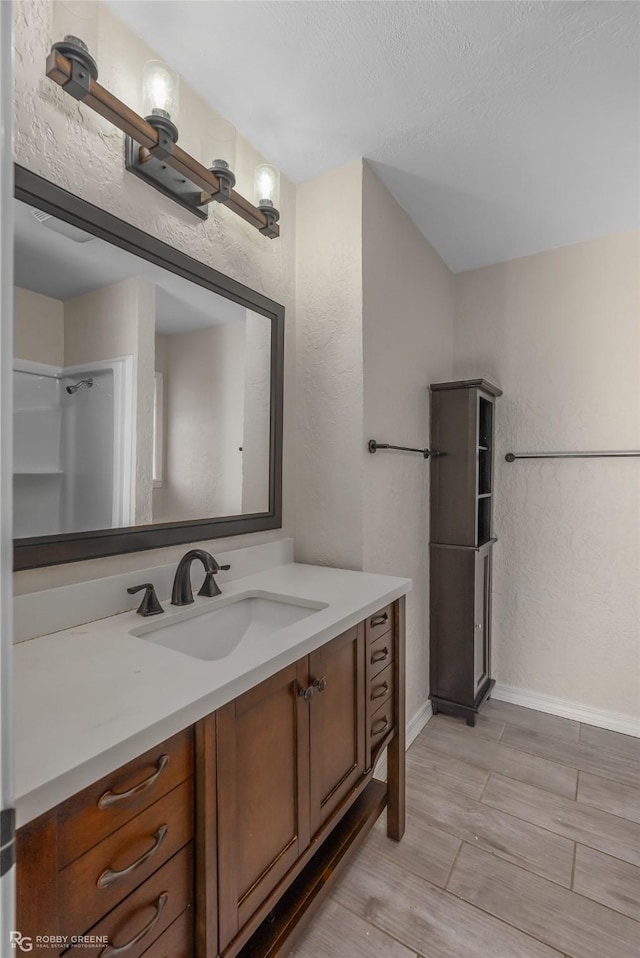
x,y
478,625
308,693
320,684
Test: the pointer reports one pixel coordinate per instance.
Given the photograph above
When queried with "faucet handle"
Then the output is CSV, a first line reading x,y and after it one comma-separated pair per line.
x,y
210,587
150,604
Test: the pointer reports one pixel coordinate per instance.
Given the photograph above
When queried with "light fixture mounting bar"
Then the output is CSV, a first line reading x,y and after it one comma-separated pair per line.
x,y
61,70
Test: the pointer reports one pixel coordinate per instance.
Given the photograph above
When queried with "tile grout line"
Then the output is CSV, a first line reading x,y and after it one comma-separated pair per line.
x,y
446,891
513,748
372,924
559,834
439,827
453,864
610,775
518,781
484,788
504,921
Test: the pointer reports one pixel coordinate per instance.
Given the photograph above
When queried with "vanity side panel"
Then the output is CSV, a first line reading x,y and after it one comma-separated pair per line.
x,y
37,881
396,754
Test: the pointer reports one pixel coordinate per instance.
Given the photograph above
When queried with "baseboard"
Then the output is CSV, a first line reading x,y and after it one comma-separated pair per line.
x,y
614,721
414,727
418,722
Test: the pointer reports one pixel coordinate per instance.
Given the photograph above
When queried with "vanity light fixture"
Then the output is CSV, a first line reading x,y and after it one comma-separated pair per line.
x,y
151,142
267,191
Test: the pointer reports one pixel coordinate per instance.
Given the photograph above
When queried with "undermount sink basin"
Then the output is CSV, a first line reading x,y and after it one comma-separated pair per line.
x,y
213,633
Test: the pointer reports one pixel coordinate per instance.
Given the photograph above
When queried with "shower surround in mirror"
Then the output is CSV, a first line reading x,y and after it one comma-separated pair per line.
x,y
176,423
72,447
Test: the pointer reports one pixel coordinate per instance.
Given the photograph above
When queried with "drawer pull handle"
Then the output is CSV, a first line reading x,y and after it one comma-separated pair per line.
x,y
379,619
112,798
109,876
380,726
320,684
380,691
112,950
379,656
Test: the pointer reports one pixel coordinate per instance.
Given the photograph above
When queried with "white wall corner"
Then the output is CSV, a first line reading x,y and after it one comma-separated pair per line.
x,y
614,721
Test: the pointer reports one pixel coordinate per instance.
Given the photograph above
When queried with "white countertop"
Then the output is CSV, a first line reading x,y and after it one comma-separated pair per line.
x,y
90,698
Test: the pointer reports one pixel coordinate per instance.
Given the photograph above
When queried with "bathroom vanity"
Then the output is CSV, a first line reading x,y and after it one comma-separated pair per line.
x,y
222,838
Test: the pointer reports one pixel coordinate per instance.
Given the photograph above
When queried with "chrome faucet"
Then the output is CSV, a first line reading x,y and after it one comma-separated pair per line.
x,y
181,593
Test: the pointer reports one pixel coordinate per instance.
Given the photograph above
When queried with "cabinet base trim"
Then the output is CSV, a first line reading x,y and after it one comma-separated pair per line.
x,y
300,902
468,712
601,718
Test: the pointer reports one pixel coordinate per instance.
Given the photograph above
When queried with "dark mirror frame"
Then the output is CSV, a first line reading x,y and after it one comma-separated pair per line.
x,y
37,551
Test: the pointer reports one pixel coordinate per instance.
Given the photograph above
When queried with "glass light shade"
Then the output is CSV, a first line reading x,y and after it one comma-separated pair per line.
x,y
160,89
219,144
267,185
76,19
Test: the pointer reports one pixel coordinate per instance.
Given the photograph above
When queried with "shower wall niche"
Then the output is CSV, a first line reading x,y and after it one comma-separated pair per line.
x,y
70,449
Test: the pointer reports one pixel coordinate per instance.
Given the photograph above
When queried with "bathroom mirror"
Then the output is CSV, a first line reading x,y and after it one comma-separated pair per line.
x,y
147,389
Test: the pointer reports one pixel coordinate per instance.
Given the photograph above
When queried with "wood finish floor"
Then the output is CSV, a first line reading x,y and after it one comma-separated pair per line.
x,y
522,841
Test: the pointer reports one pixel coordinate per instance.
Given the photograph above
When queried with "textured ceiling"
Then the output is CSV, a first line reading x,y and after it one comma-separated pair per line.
x,y
502,128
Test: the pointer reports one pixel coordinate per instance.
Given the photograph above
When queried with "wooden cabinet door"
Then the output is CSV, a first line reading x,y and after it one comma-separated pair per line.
x,y
263,793
482,620
337,722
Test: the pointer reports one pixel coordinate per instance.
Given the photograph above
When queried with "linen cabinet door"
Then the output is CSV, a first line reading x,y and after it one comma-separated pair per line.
x,y
482,620
337,722
263,794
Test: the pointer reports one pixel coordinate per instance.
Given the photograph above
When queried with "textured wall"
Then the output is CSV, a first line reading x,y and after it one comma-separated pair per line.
x,y
408,343
39,327
257,414
329,369
109,323
560,333
68,144
203,399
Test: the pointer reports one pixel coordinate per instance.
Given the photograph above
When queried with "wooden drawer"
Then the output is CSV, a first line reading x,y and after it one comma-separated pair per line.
x,y
379,623
148,911
100,809
176,941
87,890
380,688
380,654
381,724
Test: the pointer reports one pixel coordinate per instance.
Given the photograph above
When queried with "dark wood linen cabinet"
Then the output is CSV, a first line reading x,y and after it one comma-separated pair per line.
x,y
462,433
